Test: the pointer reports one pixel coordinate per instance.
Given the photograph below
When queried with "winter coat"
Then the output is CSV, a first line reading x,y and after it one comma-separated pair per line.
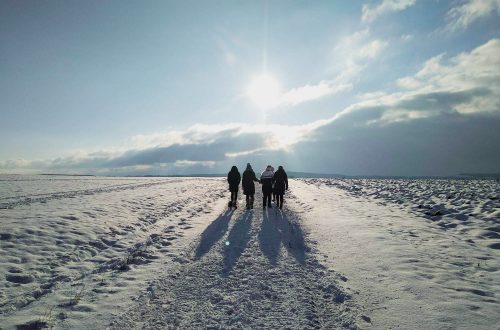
x,y
266,179
247,182
233,178
280,180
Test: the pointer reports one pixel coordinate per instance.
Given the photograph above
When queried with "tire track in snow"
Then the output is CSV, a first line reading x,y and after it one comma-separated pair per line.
x,y
249,268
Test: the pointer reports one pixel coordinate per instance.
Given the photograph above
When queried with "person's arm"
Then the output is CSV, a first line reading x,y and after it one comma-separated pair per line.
x,y
228,175
286,181
239,178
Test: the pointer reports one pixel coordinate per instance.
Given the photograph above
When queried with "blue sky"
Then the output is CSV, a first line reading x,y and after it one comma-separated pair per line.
x,y
159,87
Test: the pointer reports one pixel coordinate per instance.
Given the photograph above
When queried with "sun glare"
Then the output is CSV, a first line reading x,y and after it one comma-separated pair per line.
x,y
264,91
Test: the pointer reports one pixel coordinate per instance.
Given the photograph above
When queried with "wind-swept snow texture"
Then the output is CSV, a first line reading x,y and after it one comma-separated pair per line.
x,y
120,253
413,269
74,251
156,253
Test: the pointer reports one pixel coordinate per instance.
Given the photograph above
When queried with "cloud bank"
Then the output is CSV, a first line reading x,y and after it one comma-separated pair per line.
x,y
443,120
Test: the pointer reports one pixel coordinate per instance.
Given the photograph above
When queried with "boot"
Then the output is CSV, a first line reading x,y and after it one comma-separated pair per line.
x,y
251,202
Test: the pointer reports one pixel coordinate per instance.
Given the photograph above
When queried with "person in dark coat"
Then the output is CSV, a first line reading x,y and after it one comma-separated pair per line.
x,y
233,178
280,180
248,185
274,193
266,180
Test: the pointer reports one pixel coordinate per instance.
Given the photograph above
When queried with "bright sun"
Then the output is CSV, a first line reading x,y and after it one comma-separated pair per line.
x,y
264,91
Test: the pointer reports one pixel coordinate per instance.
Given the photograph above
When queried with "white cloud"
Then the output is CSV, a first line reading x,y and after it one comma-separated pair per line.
x,y
199,146
468,83
462,16
354,52
306,93
358,47
479,68
372,49
371,13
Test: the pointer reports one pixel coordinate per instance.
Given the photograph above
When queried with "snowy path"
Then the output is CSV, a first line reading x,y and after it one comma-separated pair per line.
x,y
248,269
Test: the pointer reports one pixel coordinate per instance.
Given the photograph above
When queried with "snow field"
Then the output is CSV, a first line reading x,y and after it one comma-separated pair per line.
x,y
76,258
468,207
79,252
407,271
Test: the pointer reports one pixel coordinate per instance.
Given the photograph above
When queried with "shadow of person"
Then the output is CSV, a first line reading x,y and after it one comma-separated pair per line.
x,y
237,241
292,237
213,233
269,238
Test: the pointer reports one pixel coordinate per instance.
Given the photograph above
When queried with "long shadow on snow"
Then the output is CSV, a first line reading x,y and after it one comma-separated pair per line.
x,y
213,233
292,237
238,238
276,228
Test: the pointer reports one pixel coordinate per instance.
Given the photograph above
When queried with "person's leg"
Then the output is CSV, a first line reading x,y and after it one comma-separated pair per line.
x,y
264,198
247,199
269,200
280,201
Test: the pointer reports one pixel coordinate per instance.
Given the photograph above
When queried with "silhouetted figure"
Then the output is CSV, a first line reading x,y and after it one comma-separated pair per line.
x,y
233,178
248,185
280,180
274,193
266,180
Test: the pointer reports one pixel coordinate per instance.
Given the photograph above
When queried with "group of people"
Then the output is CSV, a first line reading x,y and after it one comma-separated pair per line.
x,y
273,184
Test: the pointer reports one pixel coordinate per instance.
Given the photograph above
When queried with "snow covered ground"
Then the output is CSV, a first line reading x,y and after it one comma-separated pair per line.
x,y
410,270
88,252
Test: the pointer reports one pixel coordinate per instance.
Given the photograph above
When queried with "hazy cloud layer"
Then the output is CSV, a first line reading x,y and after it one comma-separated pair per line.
x,y
443,120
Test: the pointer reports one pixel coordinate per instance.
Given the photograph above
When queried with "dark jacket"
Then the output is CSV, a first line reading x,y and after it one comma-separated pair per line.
x,y
266,180
233,178
280,180
247,182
